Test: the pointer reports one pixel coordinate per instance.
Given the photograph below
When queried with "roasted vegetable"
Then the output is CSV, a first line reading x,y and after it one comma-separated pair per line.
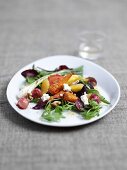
x,y
45,86
57,84
70,97
76,87
73,79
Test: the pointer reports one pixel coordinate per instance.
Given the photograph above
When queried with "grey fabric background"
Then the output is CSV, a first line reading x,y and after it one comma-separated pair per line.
x,y
33,29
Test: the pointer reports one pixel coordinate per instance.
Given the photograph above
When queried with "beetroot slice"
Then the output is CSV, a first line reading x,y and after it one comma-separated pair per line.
x,y
40,105
79,105
81,92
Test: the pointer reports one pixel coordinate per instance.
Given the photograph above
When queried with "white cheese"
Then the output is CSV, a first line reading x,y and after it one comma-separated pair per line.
x,y
45,97
66,87
61,95
84,99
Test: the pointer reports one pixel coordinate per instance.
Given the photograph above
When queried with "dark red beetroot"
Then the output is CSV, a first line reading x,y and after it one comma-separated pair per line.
x,y
95,98
79,105
90,85
40,105
36,93
22,103
81,92
92,81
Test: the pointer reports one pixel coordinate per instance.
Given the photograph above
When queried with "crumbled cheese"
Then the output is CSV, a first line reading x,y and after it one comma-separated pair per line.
x,y
66,87
61,95
45,97
84,99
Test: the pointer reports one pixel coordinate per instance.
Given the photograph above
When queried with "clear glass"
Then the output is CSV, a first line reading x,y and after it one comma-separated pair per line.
x,y
91,45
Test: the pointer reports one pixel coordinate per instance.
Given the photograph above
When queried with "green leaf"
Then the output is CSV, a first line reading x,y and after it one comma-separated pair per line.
x,y
52,114
104,100
44,73
94,91
30,80
55,114
68,106
78,70
92,112
88,114
59,109
34,100
93,103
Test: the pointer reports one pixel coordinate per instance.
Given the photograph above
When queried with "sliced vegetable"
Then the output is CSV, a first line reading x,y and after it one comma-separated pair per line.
x,y
57,84
73,79
53,79
95,98
82,91
91,80
70,97
40,105
76,87
36,93
66,78
45,86
22,103
79,105
58,95
55,88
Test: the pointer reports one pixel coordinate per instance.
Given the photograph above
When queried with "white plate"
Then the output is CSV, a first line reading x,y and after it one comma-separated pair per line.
x,y
108,87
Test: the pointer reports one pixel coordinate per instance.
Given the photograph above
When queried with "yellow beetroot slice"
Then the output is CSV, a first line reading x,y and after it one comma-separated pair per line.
x,y
45,86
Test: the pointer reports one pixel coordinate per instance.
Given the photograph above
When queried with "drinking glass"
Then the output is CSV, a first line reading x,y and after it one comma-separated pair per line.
x,y
91,44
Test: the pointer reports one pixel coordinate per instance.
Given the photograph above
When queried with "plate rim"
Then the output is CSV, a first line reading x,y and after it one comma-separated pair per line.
x,y
59,125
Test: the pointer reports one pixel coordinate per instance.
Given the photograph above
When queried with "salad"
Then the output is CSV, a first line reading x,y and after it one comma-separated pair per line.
x,y
60,90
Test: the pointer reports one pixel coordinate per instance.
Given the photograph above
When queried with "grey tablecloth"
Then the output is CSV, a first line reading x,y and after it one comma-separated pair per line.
x,y
33,29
